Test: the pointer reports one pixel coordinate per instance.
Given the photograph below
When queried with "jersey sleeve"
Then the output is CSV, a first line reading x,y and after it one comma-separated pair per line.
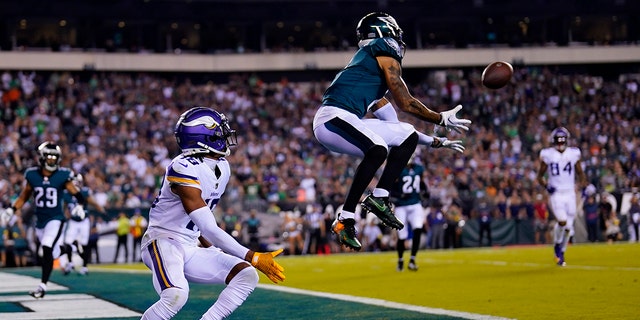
x,y
544,156
577,155
183,173
67,174
386,47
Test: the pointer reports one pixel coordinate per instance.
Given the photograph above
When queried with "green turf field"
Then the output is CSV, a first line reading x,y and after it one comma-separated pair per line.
x,y
600,281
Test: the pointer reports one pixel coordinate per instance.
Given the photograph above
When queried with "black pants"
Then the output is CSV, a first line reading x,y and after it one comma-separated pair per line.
x,y
136,248
485,227
122,242
93,248
592,231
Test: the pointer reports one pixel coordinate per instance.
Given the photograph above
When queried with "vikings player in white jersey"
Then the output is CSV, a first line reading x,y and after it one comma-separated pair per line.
x,y
181,217
559,167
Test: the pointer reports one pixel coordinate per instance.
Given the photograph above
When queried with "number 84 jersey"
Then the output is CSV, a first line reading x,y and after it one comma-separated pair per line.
x,y
561,167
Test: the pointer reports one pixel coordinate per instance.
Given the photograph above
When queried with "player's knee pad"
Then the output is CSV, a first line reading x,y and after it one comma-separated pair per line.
x,y
245,280
172,300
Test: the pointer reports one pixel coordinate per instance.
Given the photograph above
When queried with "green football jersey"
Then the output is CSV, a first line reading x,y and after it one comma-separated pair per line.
x,y
361,82
407,188
48,194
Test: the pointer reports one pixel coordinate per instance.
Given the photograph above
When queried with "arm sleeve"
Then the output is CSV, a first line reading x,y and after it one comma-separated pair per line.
x,y
424,139
386,113
206,222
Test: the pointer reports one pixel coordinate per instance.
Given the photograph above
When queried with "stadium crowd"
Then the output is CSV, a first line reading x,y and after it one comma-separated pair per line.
x,y
117,130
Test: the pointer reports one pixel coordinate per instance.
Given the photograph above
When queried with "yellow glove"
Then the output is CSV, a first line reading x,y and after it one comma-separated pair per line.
x,y
264,262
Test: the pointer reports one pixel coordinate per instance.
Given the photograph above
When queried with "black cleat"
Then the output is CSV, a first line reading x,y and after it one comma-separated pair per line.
x,y
382,209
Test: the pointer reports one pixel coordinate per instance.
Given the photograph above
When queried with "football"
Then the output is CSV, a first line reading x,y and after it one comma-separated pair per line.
x,y
497,74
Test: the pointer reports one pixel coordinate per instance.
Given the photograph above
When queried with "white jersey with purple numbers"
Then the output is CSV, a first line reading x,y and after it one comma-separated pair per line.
x,y
561,167
167,217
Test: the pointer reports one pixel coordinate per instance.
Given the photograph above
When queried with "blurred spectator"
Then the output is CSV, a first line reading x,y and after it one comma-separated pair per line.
x,y
3,253
328,244
453,227
252,226
436,221
612,231
138,225
634,217
314,229
122,231
94,236
591,209
372,236
484,222
232,224
541,222
293,228
605,211
15,245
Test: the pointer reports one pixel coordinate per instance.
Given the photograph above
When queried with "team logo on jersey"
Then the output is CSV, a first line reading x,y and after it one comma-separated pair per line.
x,y
394,45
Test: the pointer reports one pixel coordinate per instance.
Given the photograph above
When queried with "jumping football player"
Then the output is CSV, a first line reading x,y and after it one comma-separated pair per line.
x,y
338,124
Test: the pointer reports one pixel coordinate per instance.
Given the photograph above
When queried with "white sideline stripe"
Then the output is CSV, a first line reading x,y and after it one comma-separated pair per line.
x,y
55,305
58,306
382,303
19,283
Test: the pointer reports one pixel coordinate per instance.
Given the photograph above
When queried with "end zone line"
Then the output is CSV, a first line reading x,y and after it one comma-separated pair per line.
x,y
382,303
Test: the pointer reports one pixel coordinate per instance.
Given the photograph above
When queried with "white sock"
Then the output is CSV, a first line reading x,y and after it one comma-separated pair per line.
x,y
233,295
558,232
565,240
380,193
346,215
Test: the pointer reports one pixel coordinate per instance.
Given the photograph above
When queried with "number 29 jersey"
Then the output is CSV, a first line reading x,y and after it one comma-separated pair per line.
x,y
167,217
561,167
48,193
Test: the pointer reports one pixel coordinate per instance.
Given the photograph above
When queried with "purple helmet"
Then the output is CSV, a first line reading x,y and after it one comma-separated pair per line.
x,y
204,130
560,138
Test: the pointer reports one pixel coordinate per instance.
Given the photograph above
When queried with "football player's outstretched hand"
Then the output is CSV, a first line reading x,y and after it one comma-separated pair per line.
x,y
78,212
8,217
264,262
449,144
450,120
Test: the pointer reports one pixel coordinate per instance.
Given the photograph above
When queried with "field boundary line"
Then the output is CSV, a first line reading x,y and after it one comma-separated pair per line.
x,y
382,303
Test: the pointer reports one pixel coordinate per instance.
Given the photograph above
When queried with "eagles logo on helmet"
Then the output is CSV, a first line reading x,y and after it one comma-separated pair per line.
x,y
49,155
379,25
204,130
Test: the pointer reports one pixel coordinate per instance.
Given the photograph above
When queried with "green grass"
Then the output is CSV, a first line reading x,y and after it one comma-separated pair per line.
x,y
600,281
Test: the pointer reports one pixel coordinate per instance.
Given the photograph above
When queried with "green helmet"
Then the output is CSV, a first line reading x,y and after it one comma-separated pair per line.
x,y
379,25
49,155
